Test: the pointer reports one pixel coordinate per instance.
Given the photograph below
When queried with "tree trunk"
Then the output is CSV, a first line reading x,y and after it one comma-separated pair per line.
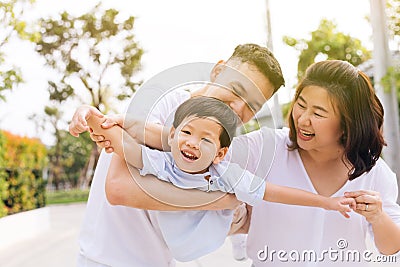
x,y
85,179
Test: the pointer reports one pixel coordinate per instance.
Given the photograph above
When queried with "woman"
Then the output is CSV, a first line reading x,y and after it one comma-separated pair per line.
x,y
332,147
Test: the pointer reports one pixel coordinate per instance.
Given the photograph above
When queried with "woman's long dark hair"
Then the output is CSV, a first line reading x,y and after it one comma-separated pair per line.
x,y
361,112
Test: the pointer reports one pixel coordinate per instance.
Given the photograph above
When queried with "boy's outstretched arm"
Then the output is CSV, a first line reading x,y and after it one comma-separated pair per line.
x,y
145,133
124,145
293,196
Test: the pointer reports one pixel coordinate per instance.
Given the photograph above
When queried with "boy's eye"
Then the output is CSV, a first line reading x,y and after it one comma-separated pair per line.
x,y
185,132
206,140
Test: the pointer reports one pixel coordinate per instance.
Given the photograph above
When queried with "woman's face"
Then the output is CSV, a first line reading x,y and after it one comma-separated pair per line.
x,y
316,120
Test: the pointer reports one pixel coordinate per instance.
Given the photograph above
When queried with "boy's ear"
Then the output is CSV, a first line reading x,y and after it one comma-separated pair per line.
x,y
171,135
220,155
218,68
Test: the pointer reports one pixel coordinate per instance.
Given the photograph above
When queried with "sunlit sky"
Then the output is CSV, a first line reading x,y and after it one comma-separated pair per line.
x,y
174,32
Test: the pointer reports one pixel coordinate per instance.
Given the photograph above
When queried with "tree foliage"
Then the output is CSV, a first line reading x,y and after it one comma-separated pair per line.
x,y
65,168
22,163
94,58
393,13
95,53
328,43
11,24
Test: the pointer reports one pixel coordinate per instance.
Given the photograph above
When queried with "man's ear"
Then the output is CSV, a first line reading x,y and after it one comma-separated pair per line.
x,y
217,69
220,155
171,135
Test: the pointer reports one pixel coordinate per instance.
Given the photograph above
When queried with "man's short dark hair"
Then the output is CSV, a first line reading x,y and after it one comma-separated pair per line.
x,y
205,107
263,59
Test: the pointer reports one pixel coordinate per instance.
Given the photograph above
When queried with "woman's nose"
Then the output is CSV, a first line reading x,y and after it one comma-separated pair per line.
x,y
304,118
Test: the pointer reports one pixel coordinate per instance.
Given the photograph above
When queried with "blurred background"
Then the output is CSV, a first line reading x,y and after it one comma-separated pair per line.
x,y
57,55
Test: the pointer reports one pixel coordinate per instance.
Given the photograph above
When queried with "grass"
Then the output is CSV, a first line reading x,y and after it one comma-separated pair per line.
x,y
66,196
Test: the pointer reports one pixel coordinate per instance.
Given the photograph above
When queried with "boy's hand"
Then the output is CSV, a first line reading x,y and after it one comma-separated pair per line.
x,y
111,121
342,204
78,123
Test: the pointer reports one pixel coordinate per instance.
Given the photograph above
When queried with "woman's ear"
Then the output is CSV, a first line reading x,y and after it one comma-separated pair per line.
x,y
218,68
220,155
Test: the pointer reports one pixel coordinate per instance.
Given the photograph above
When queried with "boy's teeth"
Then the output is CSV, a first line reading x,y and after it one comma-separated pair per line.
x,y
189,155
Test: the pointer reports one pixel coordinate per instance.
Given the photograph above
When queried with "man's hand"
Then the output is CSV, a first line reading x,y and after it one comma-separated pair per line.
x,y
78,123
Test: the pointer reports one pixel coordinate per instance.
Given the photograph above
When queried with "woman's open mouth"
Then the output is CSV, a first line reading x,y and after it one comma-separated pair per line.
x,y
305,135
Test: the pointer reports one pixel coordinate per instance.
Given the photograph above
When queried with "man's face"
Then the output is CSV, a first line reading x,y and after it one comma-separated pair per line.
x,y
243,87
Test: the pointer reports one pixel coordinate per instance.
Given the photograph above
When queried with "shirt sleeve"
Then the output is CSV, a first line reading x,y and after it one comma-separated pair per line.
x,y
153,163
386,185
247,187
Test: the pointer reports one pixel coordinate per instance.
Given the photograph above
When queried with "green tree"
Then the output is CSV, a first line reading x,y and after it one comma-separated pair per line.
x,y
66,166
328,43
94,58
393,13
12,24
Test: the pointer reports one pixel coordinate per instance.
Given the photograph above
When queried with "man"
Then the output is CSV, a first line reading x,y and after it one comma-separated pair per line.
x,y
121,236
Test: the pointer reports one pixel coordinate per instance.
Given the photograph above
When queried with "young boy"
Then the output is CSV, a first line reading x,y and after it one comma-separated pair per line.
x,y
202,131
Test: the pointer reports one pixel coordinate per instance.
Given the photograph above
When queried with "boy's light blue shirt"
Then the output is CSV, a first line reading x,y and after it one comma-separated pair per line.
x,y
192,234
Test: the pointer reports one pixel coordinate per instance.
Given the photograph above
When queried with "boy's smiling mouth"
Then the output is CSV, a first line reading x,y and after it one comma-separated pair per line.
x,y
190,156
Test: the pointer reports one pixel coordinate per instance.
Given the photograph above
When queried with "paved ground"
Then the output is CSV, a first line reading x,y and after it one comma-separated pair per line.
x,y
58,246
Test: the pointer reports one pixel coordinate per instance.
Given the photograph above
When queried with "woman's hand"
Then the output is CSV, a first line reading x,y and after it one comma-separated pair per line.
x,y
369,204
386,232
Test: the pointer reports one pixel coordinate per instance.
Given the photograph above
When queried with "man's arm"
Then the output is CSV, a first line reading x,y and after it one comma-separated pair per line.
x,y
128,188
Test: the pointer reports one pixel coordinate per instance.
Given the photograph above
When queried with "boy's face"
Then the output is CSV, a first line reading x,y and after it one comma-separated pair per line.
x,y
195,144
246,88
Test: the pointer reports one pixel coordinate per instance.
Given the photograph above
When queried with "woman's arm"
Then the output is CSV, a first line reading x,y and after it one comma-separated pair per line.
x,y
126,187
386,232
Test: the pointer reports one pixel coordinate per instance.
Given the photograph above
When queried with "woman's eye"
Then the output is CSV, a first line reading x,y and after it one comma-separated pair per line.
x,y
300,105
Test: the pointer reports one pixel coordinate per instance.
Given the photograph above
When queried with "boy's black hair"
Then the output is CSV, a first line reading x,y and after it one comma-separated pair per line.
x,y
205,107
